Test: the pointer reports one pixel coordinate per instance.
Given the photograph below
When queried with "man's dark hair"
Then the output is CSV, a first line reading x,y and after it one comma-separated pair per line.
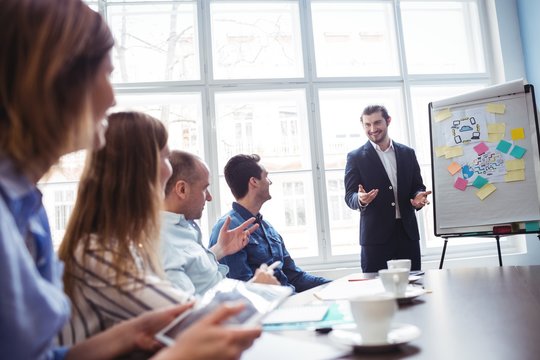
x,y
184,166
238,170
371,109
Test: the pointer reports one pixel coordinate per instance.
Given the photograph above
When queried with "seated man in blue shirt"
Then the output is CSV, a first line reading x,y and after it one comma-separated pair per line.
x,y
187,263
250,187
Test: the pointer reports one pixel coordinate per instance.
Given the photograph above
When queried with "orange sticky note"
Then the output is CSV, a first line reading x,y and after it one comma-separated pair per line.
x,y
453,168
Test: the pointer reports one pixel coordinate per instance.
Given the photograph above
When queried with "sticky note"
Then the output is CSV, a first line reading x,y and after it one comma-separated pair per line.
x,y
517,164
515,175
440,151
481,148
485,191
517,133
460,184
496,108
479,182
453,151
443,115
518,152
504,146
496,128
453,168
532,226
495,137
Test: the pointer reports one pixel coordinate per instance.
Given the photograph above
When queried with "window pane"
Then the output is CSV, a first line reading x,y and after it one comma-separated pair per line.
x,y
154,42
256,40
181,114
272,124
340,120
354,38
442,37
344,222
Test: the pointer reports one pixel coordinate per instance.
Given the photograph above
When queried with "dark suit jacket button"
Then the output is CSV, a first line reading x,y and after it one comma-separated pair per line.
x,y
393,204
390,187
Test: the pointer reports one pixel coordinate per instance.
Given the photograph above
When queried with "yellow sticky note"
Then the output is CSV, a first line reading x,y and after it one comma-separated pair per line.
x,y
496,108
516,175
497,128
495,138
453,168
517,164
453,151
485,191
518,134
440,150
443,115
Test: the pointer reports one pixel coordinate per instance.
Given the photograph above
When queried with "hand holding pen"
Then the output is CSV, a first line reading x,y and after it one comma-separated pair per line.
x,y
265,274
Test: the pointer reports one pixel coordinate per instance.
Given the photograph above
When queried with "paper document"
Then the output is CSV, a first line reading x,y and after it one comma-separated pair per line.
x,y
348,287
296,314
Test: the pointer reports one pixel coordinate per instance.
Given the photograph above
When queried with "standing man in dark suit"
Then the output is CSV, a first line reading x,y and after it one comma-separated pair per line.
x,y
383,181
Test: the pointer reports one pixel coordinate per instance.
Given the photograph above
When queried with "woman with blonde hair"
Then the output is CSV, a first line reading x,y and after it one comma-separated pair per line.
x,y
111,242
54,91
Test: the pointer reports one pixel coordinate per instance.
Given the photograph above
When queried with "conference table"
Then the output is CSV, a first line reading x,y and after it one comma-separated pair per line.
x,y
467,313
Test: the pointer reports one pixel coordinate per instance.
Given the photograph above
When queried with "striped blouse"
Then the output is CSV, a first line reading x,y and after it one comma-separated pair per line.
x,y
99,304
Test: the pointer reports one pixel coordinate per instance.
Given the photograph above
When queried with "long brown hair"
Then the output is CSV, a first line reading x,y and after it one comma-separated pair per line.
x,y
119,198
48,67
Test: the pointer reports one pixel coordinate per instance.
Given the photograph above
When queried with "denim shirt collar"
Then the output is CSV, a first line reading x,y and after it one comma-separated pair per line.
x,y
244,213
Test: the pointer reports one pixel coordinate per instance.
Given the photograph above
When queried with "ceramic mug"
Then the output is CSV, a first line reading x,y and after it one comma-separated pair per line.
x,y
373,316
395,281
399,263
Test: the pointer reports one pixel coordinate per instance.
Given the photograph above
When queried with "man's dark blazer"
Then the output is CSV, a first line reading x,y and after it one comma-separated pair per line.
x,y
376,220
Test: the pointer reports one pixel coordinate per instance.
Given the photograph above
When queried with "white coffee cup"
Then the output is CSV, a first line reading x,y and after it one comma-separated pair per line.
x,y
373,316
399,263
395,281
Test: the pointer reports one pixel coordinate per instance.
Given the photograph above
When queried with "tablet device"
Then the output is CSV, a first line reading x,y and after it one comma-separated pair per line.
x,y
259,300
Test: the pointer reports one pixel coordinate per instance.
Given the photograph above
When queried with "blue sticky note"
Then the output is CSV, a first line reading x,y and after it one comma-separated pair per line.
x,y
479,182
518,152
504,146
532,226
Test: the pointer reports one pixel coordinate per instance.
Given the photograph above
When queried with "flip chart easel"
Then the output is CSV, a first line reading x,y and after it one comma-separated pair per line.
x,y
485,156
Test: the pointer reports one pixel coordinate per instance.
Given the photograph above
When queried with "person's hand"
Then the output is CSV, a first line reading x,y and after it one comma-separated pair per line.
x,y
128,336
232,241
263,276
364,198
143,328
420,200
208,339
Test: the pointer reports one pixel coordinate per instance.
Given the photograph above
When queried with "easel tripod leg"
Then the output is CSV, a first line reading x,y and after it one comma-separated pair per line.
x,y
443,253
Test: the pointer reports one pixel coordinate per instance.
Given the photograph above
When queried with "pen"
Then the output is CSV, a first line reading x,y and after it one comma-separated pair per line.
x,y
273,266
357,279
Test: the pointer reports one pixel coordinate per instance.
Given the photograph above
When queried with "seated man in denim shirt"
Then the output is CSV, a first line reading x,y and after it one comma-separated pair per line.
x,y
187,263
250,185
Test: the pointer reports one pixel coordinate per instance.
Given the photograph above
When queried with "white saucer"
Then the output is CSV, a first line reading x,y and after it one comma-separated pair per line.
x,y
411,293
399,334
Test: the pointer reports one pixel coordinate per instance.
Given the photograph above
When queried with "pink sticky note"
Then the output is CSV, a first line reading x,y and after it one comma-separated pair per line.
x,y
460,184
481,148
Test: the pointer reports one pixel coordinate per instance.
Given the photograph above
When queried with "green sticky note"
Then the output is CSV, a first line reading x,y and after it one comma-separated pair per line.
x,y
518,152
504,146
532,226
479,182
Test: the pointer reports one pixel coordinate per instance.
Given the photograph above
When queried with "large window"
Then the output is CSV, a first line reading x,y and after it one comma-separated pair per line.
x,y
288,80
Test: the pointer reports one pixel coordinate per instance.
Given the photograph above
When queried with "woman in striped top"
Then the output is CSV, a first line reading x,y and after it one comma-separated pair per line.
x,y
109,249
